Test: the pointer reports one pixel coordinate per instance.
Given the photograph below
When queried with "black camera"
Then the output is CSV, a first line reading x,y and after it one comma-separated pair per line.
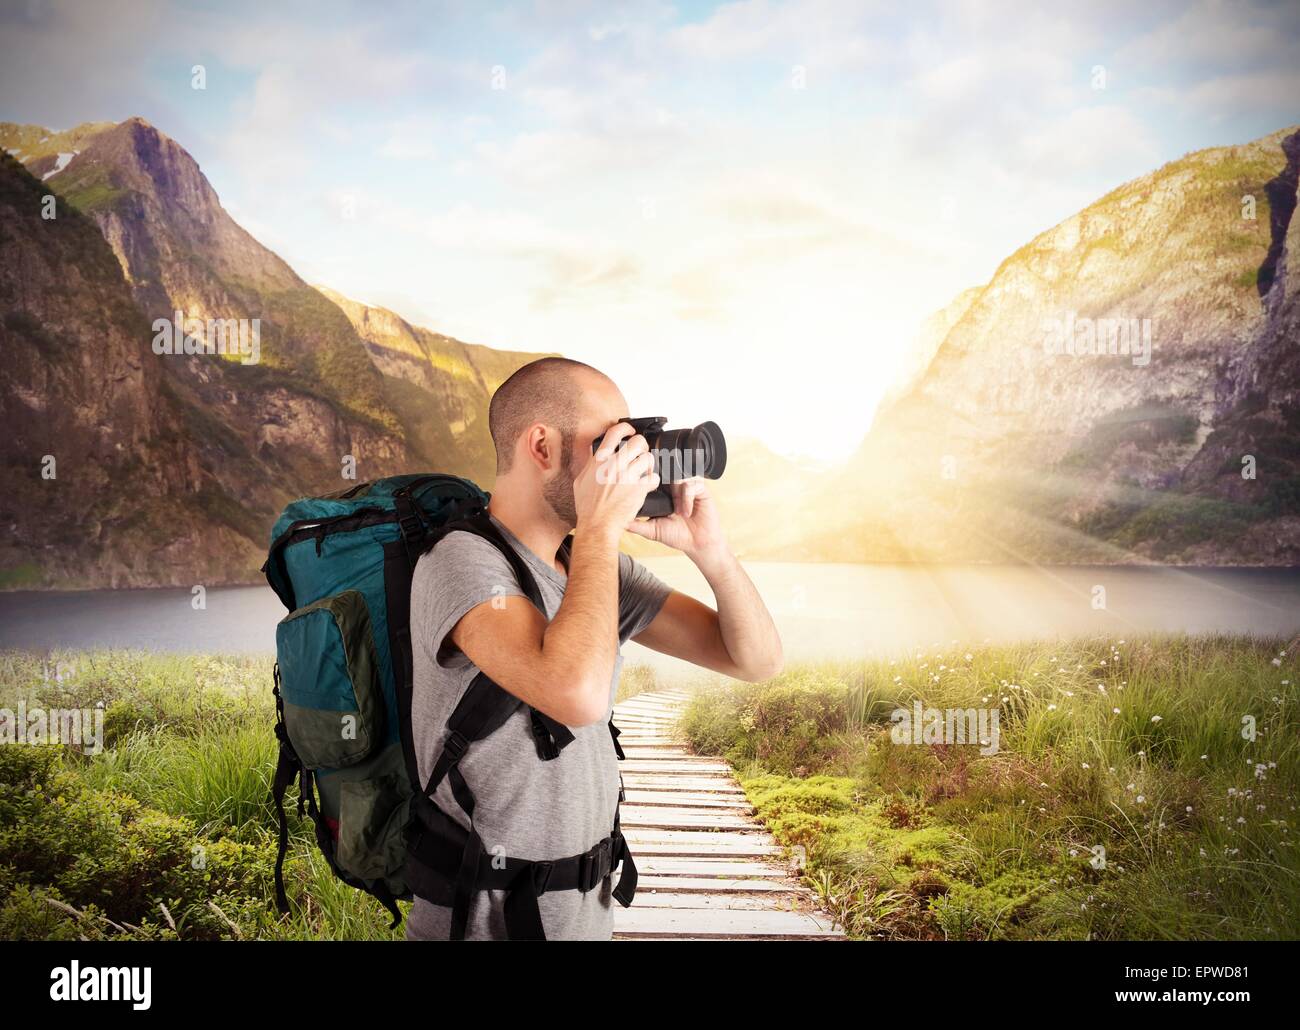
x,y
678,454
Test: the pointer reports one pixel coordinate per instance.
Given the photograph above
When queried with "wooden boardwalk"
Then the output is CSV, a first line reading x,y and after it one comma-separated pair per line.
x,y
708,870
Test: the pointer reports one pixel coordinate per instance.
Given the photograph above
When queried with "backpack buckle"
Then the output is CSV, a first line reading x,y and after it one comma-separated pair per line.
x,y
594,865
456,745
411,525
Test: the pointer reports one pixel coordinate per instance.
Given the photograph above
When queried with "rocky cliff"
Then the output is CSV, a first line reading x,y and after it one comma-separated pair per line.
x,y
1123,389
139,222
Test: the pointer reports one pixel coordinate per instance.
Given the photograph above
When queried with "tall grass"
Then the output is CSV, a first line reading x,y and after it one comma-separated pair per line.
x,y
1125,798
1196,821
169,831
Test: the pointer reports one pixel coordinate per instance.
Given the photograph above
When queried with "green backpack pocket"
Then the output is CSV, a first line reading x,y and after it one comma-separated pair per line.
x,y
372,815
329,678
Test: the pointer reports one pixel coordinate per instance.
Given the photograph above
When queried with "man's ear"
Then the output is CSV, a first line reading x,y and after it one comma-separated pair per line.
x,y
543,443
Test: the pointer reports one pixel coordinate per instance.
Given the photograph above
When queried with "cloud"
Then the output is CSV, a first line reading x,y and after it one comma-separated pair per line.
x,y
411,139
825,34
1215,36
647,177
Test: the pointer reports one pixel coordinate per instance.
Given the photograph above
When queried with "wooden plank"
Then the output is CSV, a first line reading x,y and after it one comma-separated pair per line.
x,y
687,819
735,902
644,725
742,846
689,784
747,841
687,799
655,865
673,766
712,885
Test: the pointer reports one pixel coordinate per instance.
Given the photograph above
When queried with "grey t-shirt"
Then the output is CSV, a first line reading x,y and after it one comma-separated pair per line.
x,y
525,807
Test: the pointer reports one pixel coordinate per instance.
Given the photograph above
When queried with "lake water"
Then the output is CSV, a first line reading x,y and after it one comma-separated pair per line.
x,y
823,611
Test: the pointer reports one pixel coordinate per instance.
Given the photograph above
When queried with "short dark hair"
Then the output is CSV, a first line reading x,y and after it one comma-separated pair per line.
x,y
545,390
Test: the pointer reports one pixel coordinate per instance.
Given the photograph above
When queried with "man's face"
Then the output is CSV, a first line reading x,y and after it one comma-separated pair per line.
x,y
600,405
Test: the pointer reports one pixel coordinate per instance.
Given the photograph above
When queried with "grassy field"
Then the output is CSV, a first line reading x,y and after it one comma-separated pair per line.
x,y
168,833
1123,800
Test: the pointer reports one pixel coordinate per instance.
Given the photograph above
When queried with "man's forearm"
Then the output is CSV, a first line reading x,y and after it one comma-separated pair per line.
x,y
582,639
748,632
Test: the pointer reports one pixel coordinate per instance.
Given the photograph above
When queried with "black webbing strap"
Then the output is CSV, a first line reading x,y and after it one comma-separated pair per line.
x,y
627,877
287,766
471,857
469,869
481,711
550,735
411,523
480,524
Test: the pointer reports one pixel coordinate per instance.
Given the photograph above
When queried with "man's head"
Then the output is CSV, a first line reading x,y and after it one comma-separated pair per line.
x,y
543,420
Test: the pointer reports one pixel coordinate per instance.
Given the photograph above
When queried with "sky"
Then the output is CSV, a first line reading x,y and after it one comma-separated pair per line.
x,y
740,211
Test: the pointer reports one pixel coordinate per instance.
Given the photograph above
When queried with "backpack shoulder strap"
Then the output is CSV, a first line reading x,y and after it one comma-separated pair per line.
x,y
485,706
481,525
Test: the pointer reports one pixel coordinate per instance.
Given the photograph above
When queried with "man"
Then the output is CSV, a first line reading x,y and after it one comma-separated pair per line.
x,y
468,613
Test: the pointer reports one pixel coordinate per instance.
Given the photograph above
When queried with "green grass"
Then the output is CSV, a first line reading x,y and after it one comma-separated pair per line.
x,y
168,832
941,841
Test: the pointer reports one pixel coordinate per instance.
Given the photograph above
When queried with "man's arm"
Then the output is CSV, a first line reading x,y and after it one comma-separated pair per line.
x,y
563,668
740,638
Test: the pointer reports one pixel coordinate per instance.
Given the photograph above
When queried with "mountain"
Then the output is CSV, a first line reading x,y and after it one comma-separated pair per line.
x,y
929,338
97,471
205,448
1013,446
1002,441
423,367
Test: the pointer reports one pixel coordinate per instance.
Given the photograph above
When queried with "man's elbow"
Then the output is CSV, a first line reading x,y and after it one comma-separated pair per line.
x,y
768,668
584,703
591,706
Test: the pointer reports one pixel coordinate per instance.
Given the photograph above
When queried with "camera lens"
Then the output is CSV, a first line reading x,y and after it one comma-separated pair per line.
x,y
681,453
686,453
712,446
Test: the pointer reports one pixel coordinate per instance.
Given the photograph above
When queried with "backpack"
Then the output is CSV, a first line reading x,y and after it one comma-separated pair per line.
x,y
342,565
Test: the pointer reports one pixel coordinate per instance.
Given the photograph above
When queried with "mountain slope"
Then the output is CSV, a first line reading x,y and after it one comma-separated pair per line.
x,y
422,368
319,399
128,498
1003,450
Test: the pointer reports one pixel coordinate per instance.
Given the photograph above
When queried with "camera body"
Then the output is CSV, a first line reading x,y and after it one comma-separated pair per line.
x,y
678,454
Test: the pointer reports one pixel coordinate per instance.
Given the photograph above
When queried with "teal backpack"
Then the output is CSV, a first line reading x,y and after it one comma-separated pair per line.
x,y
342,564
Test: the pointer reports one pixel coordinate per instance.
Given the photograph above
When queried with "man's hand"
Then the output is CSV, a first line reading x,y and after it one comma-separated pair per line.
x,y
613,485
738,639
693,528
